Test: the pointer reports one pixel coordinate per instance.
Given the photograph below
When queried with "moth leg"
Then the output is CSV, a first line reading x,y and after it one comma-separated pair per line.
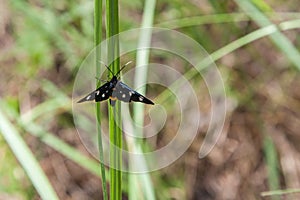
x,y
112,102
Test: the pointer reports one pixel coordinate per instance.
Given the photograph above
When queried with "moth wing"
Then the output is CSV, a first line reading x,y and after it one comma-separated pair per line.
x,y
140,98
100,94
124,93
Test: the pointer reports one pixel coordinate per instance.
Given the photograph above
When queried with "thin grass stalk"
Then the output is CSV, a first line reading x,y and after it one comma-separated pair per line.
x,y
280,192
270,152
232,46
144,180
278,38
97,40
143,60
115,132
59,102
221,18
272,164
26,159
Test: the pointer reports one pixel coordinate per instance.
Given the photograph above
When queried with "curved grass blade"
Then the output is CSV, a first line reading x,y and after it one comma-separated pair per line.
x,y
222,18
97,40
147,191
279,39
38,131
236,44
26,159
280,192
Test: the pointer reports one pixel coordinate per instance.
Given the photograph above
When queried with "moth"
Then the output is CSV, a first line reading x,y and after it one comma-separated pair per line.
x,y
115,90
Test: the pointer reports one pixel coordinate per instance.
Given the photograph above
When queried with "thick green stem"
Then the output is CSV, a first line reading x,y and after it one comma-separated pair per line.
x,y
115,132
97,40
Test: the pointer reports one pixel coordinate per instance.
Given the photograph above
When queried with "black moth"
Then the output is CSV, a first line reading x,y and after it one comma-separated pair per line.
x,y
115,90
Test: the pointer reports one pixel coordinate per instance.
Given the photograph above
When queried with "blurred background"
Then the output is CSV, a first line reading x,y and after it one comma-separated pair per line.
x,y
42,44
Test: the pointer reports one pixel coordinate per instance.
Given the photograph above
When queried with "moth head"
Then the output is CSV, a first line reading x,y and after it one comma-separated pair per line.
x,y
116,75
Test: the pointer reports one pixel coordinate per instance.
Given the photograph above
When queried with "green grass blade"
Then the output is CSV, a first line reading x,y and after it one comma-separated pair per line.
x,y
279,39
26,159
138,109
255,35
272,163
291,24
242,41
62,147
97,40
221,18
262,5
205,19
50,139
251,37
115,132
280,192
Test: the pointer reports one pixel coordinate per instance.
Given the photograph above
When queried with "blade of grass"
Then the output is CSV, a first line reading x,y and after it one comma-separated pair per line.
x,y
247,39
60,102
50,139
219,54
221,18
115,132
279,39
62,147
291,24
97,40
284,44
26,159
205,19
279,192
236,44
138,109
262,5
269,148
272,163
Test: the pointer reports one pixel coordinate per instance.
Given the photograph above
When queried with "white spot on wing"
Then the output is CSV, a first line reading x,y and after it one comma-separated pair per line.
x,y
88,97
97,92
141,98
130,93
103,95
123,96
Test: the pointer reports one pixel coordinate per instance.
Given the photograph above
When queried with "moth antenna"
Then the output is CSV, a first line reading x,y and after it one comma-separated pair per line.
x,y
123,67
107,67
